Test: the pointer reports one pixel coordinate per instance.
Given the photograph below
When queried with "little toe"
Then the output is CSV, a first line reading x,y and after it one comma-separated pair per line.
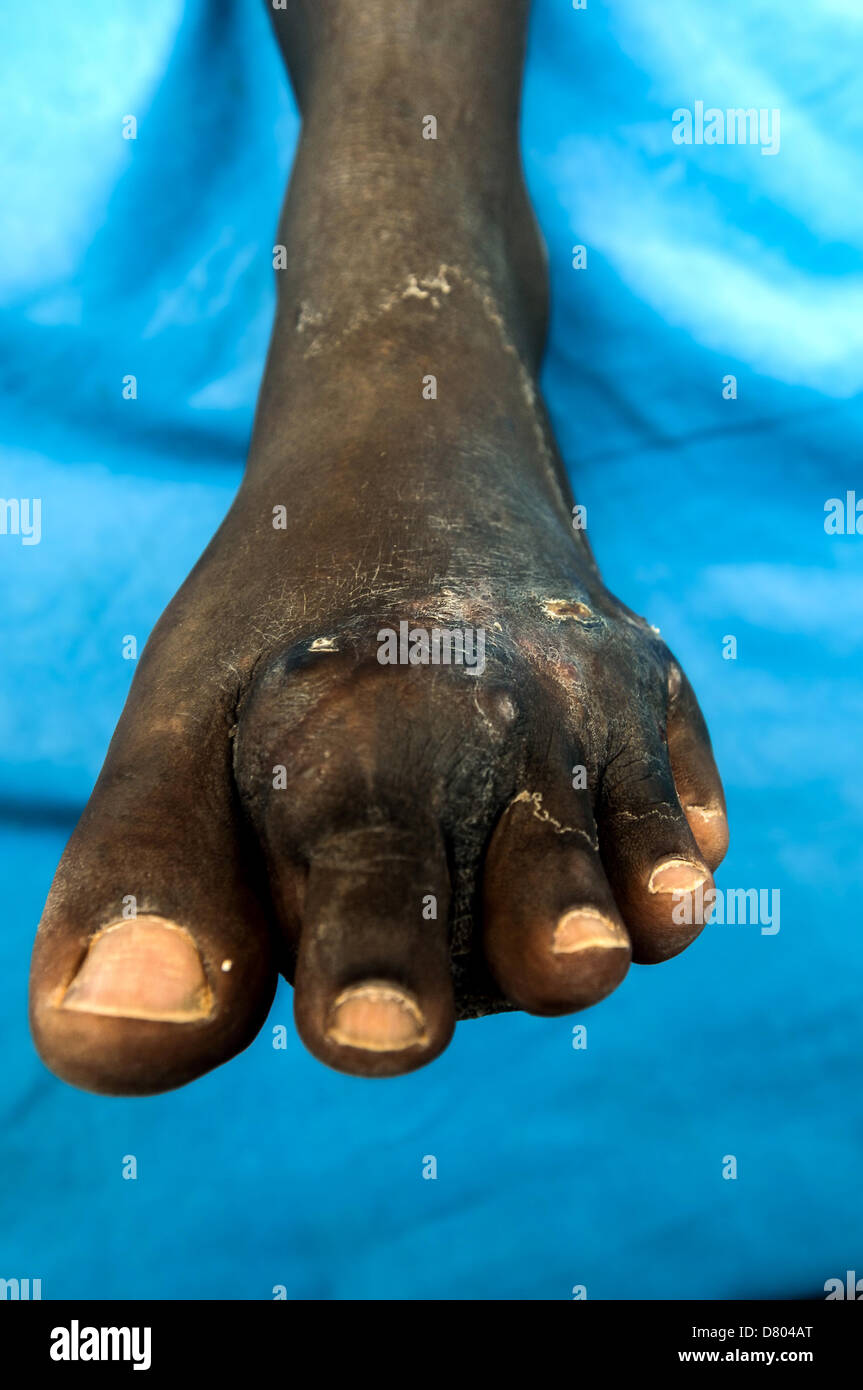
x,y
696,777
656,869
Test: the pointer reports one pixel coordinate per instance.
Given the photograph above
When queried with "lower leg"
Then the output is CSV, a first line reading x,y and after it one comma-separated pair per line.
x,y
409,156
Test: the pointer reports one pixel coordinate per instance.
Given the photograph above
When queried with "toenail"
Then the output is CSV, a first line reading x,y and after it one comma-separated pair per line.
x,y
676,876
377,1017
583,928
143,968
704,815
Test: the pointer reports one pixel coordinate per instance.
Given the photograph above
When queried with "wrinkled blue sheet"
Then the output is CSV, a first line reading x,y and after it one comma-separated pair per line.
x,y
556,1167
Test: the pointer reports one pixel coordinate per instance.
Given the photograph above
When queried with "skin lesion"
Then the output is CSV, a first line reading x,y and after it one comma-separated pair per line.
x,y
560,609
534,800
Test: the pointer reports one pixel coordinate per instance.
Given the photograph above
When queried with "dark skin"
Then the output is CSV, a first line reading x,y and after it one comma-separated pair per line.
x,y
408,844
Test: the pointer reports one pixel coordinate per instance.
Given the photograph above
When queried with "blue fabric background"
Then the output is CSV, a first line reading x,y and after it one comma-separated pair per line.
x,y
556,1167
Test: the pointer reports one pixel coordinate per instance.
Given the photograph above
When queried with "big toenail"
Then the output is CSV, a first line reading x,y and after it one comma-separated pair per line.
x,y
143,968
377,1017
676,876
583,928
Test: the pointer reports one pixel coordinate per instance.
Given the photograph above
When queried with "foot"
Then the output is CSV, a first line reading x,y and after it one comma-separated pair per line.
x,y
409,842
